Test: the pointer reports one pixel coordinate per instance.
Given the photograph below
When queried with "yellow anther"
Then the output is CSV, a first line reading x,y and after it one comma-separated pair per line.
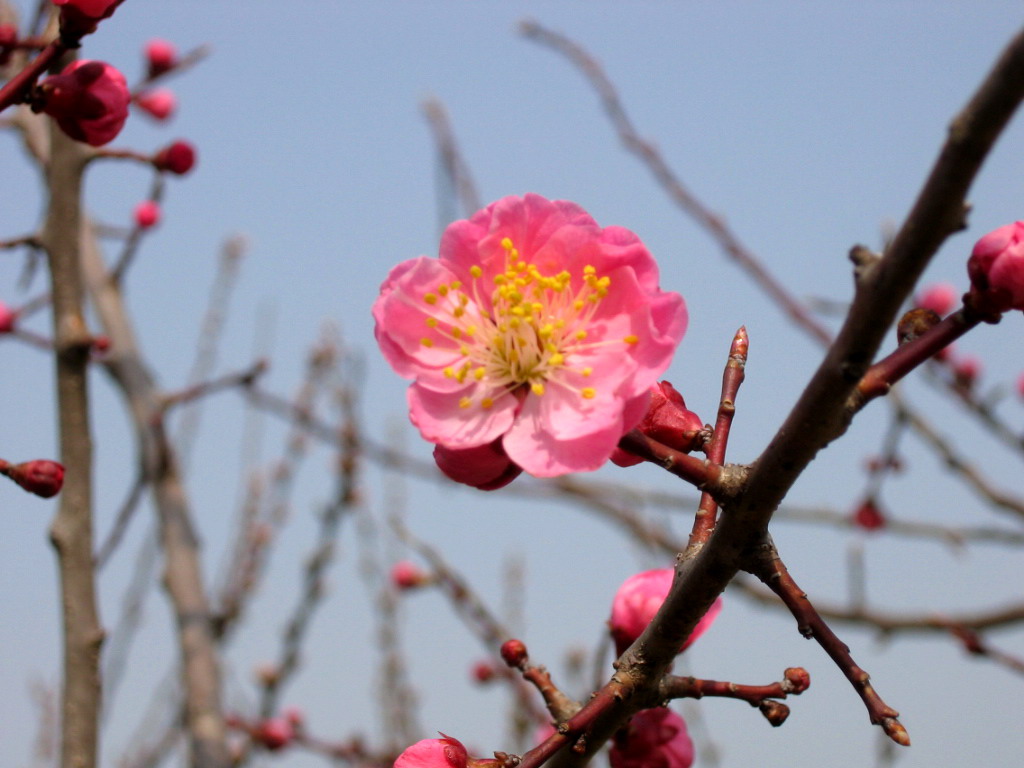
x,y
427,342
459,311
537,388
556,359
588,393
449,373
515,322
581,335
432,322
546,331
587,371
457,333
442,289
518,311
551,347
470,330
475,271
578,304
463,299
430,298
456,284
464,349
465,402
486,403
478,374
499,279
631,339
589,270
506,243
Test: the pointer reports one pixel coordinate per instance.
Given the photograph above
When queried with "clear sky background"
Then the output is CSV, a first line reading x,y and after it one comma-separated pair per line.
x,y
810,126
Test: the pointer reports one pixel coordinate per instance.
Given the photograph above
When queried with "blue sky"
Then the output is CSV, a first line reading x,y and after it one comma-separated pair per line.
x,y
809,126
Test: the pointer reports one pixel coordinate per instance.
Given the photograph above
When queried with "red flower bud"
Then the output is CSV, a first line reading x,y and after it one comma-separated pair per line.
x,y
147,214
668,421
89,101
996,269
966,371
79,17
95,9
273,733
406,575
485,467
158,104
513,652
654,737
161,56
483,672
178,158
42,477
8,318
797,679
868,516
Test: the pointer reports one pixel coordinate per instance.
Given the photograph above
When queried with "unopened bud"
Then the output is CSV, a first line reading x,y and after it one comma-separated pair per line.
x,y
177,158
147,214
161,56
158,104
966,371
42,477
798,678
483,672
669,422
915,323
8,318
274,733
868,516
939,298
775,712
407,575
513,652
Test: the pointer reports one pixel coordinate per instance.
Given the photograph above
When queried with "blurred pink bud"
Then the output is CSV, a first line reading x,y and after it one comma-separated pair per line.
x,y
159,104
996,269
513,653
147,214
89,101
8,37
654,738
42,477
939,298
273,733
967,370
483,672
434,753
101,344
486,467
8,318
868,516
407,575
178,158
639,598
668,421
1020,385
161,56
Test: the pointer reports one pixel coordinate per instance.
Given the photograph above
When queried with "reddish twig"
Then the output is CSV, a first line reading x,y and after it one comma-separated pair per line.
x,y
732,378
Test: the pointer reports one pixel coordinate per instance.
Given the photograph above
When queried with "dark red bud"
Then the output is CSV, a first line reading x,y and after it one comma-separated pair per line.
x,y
514,653
483,672
775,712
177,158
798,678
42,477
868,516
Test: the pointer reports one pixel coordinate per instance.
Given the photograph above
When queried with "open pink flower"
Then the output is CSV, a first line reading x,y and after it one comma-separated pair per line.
x,y
996,269
89,101
654,738
639,598
536,327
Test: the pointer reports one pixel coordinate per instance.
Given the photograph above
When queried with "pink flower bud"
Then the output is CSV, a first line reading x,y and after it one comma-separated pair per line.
x,y
639,598
654,737
939,298
147,214
95,9
178,158
8,318
483,672
967,370
406,575
434,753
996,269
42,477
513,652
161,56
868,516
89,101
668,421
273,733
1020,385
486,467
159,104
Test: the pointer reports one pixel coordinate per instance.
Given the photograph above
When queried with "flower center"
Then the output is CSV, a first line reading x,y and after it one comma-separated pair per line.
x,y
532,338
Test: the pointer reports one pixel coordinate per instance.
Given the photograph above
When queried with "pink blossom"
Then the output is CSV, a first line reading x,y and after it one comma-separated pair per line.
x,y
654,738
159,103
177,157
939,298
161,56
274,733
639,598
668,421
996,269
434,753
89,101
8,318
534,326
407,575
486,467
147,214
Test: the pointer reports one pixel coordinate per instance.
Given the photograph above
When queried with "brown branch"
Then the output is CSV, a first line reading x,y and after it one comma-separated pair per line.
x,y
795,681
455,167
732,378
71,531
